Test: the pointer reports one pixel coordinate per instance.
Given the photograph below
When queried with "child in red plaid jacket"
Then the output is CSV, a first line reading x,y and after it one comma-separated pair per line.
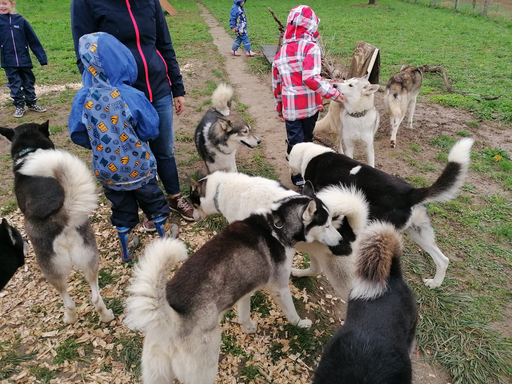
x,y
296,81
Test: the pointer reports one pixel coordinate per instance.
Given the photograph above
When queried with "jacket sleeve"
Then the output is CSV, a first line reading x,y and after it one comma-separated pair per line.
x,y
277,87
35,44
165,48
82,23
145,117
312,67
77,129
233,16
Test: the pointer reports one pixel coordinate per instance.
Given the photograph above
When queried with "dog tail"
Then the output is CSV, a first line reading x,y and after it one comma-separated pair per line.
x,y
376,248
347,201
221,98
147,306
331,122
73,175
448,185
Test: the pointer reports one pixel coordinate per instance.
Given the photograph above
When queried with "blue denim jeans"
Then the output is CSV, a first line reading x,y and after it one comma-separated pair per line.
x,y
242,39
163,146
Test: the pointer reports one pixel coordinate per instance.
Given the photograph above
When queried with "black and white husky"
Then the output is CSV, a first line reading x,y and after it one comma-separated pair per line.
x,y
375,343
180,318
236,196
56,193
219,133
390,198
12,252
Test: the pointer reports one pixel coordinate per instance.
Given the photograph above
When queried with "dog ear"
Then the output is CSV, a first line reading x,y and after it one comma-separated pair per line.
x,y
7,132
225,124
307,216
308,189
45,128
368,89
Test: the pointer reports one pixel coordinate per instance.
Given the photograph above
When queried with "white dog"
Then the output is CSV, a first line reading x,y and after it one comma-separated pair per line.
x,y
359,118
236,196
401,93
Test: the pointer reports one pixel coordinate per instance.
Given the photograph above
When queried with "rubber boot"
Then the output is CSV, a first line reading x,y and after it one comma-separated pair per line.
x,y
165,228
129,242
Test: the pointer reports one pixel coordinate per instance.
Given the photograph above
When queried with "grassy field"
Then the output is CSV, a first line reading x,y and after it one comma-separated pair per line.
x,y
453,329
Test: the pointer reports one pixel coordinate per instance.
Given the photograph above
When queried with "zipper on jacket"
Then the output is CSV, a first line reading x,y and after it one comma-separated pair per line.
x,y
140,50
14,42
166,69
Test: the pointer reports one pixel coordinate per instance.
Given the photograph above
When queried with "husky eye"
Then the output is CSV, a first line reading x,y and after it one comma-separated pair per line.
x,y
334,218
350,85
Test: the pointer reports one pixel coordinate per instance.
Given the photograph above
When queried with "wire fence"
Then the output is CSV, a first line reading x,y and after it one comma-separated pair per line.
x,y
494,9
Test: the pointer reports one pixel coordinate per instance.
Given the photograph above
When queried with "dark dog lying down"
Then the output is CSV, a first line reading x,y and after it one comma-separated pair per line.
x,y
12,252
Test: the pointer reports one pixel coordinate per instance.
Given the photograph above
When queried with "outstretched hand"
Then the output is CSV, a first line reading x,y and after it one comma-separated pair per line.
x,y
340,99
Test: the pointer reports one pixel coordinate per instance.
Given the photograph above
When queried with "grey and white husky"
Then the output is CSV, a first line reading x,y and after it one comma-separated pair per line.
x,y
56,193
220,132
180,318
401,93
236,196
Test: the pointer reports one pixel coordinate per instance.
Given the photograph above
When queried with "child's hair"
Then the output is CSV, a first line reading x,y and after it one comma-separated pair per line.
x,y
13,9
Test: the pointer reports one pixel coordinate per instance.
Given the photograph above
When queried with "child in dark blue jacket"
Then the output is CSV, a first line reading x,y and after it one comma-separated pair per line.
x,y
16,36
115,120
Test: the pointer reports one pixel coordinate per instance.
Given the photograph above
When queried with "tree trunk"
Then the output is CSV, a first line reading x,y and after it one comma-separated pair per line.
x,y
371,2
486,7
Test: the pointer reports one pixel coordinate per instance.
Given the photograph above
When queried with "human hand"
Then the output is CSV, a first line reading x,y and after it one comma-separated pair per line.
x,y
281,117
233,29
179,104
340,99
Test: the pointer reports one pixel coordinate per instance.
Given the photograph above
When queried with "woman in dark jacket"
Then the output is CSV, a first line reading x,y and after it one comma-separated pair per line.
x,y
141,26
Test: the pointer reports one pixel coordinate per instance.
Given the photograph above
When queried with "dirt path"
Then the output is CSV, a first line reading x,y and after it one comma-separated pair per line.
x,y
249,88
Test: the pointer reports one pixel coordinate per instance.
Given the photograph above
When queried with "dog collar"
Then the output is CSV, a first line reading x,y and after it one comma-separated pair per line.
x,y
216,199
358,114
25,151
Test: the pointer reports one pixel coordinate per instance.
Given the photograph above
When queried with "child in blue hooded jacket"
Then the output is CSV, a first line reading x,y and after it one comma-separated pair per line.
x,y
238,24
16,36
115,120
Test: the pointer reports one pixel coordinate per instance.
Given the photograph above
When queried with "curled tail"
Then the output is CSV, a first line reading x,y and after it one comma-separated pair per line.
x,y
448,185
147,306
221,98
346,201
375,249
73,175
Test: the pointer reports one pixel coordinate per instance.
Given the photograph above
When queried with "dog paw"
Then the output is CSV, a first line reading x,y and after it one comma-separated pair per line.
x,y
106,316
431,283
393,144
297,272
70,317
304,323
250,327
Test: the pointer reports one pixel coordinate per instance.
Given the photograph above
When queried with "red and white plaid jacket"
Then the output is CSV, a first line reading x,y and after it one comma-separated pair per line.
x,y
296,81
